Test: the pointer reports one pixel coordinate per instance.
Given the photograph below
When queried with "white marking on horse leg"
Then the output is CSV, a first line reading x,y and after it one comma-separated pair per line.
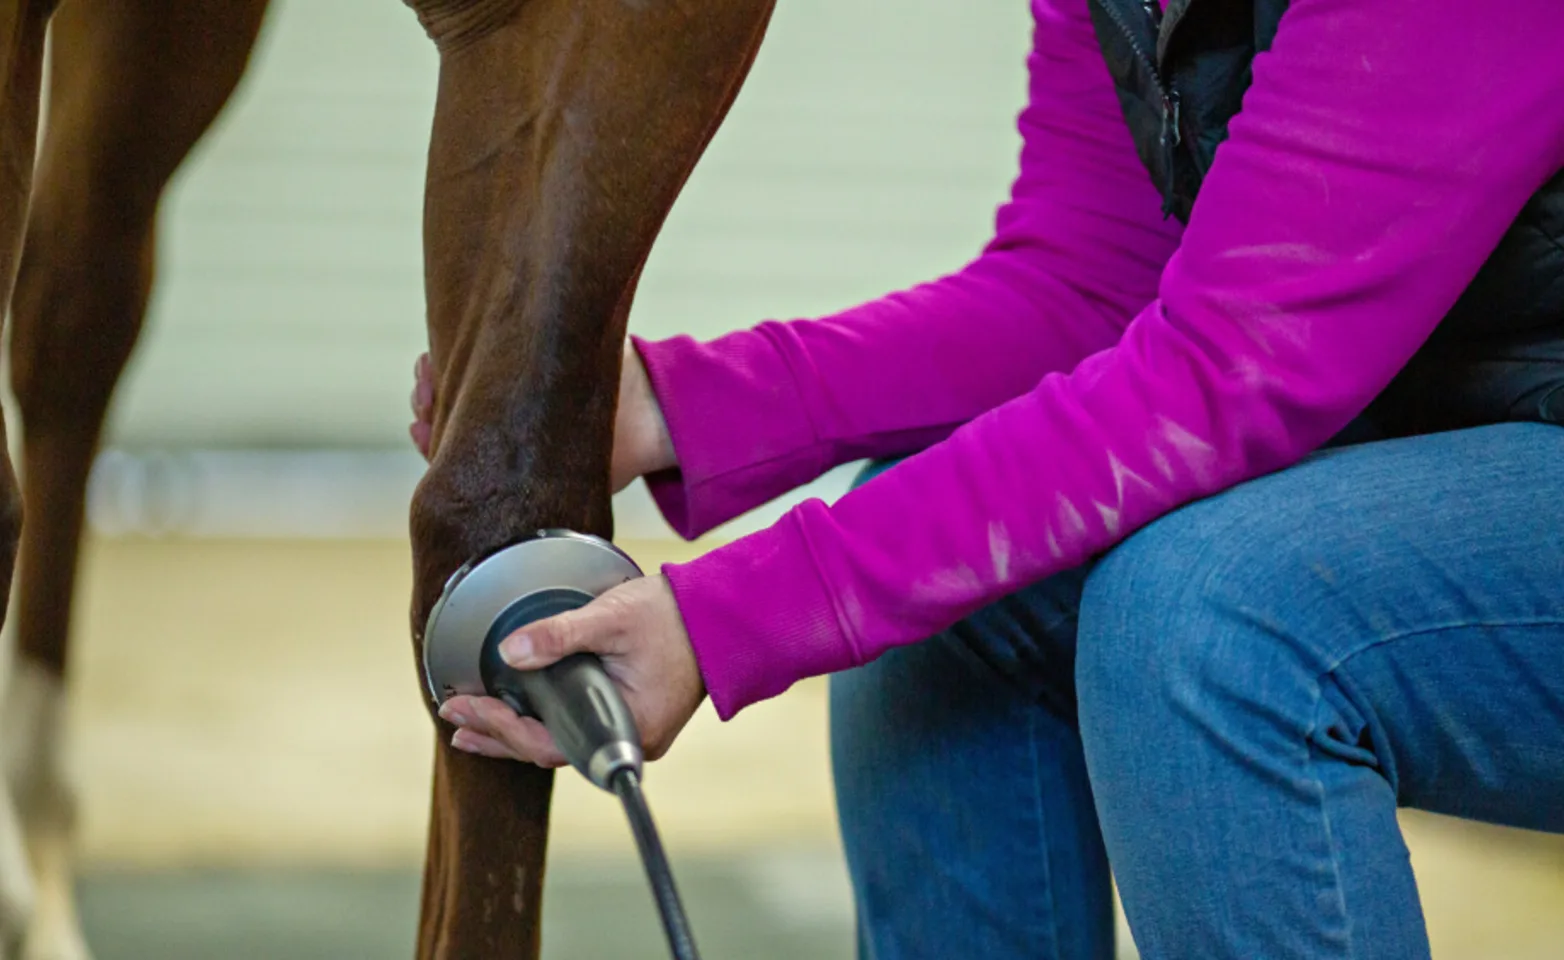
x,y
55,933
17,892
45,803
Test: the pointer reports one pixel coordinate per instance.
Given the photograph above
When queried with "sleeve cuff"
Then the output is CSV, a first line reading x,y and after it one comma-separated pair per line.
x,y
759,616
736,419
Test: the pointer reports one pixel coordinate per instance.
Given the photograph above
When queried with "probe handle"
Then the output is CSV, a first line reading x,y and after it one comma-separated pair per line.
x,y
574,698
590,722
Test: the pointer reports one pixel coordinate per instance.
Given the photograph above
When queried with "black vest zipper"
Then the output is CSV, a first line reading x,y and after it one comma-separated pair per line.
x,y
1170,135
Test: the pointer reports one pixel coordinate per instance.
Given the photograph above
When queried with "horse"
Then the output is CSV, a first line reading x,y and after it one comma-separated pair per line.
x,y
562,133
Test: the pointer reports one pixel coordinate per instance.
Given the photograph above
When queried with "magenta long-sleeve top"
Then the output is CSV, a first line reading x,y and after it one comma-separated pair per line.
x,y
1098,365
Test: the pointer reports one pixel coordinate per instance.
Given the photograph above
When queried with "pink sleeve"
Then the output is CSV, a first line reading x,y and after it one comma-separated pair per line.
x,y
1378,159
1076,254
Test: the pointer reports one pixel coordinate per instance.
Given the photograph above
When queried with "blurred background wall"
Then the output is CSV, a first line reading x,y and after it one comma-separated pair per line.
x,y
249,736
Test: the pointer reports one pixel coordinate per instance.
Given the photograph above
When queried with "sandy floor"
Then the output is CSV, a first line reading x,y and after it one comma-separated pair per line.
x,y
254,703
242,702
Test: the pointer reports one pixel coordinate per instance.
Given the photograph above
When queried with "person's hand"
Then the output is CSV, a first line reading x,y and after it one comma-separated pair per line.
x,y
638,632
423,404
641,442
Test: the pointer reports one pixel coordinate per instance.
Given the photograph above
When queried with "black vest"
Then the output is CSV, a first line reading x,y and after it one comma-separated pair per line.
x,y
1498,355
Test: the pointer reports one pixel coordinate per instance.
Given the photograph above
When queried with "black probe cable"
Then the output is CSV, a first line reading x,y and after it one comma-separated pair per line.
x,y
681,941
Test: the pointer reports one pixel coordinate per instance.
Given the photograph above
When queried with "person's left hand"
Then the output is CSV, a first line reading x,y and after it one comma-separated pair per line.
x,y
637,630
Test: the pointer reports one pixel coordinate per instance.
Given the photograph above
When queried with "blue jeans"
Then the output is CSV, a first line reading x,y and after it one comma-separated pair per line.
x,y
1229,706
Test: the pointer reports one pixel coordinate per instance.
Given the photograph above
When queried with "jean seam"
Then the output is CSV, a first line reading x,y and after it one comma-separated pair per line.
x,y
1052,929
1526,623
1314,727
1334,850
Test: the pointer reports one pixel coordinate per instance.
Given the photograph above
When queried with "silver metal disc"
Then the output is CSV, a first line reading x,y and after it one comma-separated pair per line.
x,y
477,594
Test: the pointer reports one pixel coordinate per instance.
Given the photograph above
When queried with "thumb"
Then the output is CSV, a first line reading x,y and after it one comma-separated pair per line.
x,y
553,638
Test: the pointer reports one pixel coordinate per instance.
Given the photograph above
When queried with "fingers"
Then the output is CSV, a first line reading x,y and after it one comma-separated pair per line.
x,y
592,629
422,402
490,728
637,629
423,384
476,743
421,432
469,742
422,397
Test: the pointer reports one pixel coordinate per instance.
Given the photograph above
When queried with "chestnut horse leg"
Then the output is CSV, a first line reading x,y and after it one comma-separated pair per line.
x,y
133,85
563,131
22,27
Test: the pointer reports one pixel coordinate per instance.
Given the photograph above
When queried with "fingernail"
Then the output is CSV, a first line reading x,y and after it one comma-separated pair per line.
x,y
517,651
460,743
449,714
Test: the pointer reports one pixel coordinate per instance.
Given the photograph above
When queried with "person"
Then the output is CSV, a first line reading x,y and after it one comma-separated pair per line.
x,y
1214,510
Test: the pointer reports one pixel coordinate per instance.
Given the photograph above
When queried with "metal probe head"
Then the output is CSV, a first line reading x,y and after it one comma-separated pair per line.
x,y
485,601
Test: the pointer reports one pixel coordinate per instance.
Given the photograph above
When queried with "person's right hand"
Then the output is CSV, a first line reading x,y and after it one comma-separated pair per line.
x,y
641,442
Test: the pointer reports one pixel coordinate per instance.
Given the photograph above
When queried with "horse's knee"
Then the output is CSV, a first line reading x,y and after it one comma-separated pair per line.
x,y
450,523
446,523
484,489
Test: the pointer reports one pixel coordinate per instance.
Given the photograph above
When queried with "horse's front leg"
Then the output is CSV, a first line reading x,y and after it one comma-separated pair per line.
x,y
563,131
23,24
134,84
